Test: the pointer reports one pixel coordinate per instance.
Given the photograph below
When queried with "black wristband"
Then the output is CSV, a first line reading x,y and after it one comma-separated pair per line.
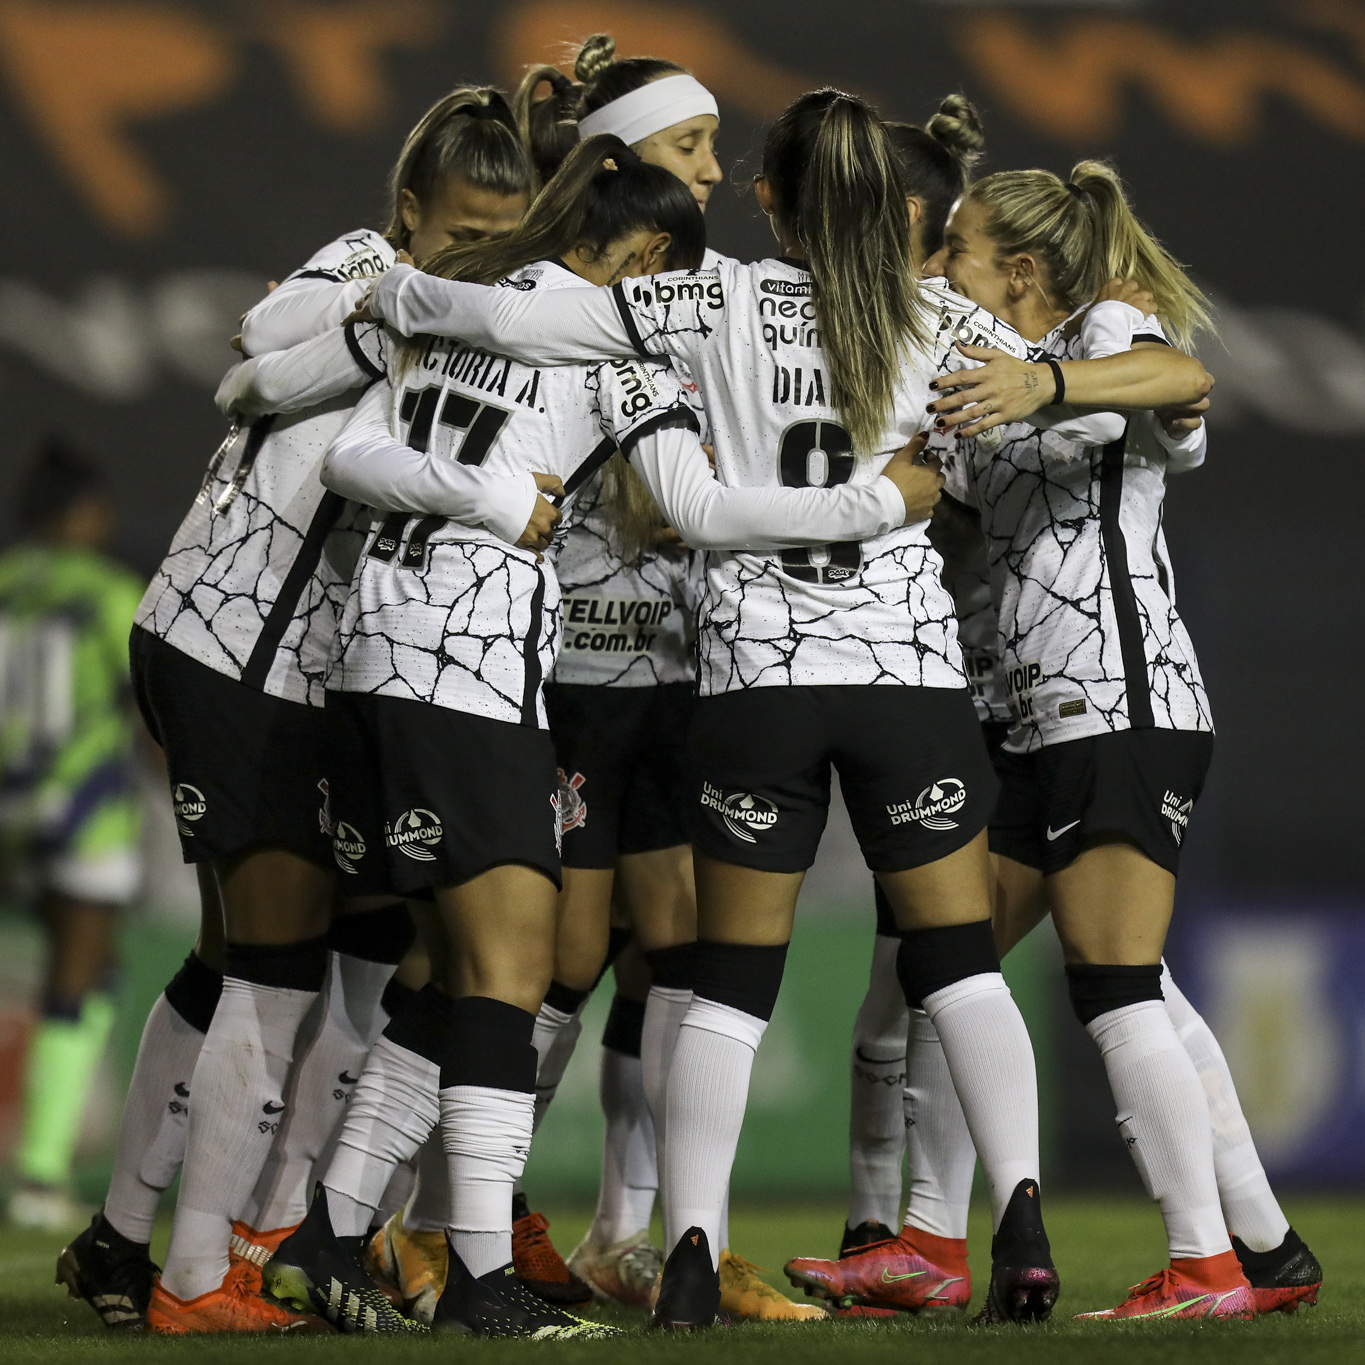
x,y
1060,395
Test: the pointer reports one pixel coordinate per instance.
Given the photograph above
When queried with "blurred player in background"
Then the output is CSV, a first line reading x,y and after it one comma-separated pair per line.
x,y
68,813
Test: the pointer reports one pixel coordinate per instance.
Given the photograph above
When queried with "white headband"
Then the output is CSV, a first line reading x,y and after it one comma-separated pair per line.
x,y
650,109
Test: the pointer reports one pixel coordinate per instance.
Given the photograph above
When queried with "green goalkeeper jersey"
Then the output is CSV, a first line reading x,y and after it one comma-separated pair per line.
x,y
66,723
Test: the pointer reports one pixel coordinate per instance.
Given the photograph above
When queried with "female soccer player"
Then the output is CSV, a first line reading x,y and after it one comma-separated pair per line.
x,y
227,655
446,637
670,120
1112,734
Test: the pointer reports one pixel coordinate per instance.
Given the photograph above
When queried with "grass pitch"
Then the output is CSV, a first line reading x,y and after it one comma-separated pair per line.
x,y
1101,1248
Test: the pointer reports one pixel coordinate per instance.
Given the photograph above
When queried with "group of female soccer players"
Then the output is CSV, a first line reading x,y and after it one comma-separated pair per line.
x,y
514,632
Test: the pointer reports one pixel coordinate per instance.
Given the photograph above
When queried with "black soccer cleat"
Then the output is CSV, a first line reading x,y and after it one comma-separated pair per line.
x,y
315,1271
1282,1278
689,1290
499,1305
864,1235
1024,1282
113,1275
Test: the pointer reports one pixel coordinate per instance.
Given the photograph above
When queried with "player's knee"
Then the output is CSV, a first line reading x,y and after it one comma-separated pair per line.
x,y
930,959
1097,990
742,976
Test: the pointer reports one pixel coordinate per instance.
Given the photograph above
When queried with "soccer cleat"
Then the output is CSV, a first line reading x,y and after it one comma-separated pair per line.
x,y
1283,1277
688,1294
413,1263
539,1266
1024,1282
499,1305
1194,1287
863,1310
915,1272
864,1235
743,1295
622,1272
233,1307
315,1271
254,1248
113,1275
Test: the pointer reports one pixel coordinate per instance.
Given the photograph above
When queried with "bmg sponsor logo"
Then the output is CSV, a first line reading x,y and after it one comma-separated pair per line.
x,y
704,289
745,814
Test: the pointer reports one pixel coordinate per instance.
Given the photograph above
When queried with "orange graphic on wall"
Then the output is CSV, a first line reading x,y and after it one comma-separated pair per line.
x,y
739,76
85,72
1070,79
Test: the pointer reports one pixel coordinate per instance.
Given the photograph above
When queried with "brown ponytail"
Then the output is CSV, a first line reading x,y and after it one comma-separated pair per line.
x,y
837,188
471,133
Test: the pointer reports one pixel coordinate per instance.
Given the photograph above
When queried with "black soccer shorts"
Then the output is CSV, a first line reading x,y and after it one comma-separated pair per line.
x,y
911,761
247,770
1139,785
622,772
426,797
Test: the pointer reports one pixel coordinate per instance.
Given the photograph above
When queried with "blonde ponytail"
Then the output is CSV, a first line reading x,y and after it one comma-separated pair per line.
x,y
1130,252
633,517
837,187
1084,234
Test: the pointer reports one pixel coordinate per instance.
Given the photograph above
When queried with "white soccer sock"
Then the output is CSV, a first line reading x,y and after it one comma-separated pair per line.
x,y
238,1088
665,1009
876,1124
428,1207
707,1093
401,1187
942,1159
1249,1205
1164,1118
990,1057
151,1135
630,1175
554,1038
486,1134
393,1111
320,1086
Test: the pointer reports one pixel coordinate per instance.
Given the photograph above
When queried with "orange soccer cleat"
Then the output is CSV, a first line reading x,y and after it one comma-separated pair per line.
x,y
915,1272
233,1307
253,1249
746,1298
539,1266
412,1262
1193,1287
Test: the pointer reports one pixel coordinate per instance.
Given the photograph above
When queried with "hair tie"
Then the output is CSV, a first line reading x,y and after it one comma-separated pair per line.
x,y
560,83
482,111
1075,189
1058,378
627,156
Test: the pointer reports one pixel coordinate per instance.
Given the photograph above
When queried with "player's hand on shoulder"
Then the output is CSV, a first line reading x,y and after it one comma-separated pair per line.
x,y
1001,389
919,482
1129,292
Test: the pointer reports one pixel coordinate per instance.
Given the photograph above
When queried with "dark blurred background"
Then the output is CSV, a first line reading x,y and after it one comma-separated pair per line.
x,y
164,160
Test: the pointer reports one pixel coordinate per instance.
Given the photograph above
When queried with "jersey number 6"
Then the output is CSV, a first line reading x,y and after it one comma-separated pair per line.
x,y
818,455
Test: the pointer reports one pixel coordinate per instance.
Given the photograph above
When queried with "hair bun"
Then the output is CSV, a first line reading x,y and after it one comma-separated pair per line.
x,y
596,54
957,127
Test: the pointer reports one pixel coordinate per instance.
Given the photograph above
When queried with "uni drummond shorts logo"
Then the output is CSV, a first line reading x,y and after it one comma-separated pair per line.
x,y
744,814
1177,810
189,806
348,846
934,807
414,834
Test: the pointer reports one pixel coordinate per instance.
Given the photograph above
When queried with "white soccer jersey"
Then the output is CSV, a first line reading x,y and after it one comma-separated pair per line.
x,y
253,579
451,615
625,624
1090,639
848,613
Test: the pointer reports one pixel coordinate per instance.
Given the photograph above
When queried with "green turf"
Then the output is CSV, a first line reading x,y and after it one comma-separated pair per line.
x,y
1100,1248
